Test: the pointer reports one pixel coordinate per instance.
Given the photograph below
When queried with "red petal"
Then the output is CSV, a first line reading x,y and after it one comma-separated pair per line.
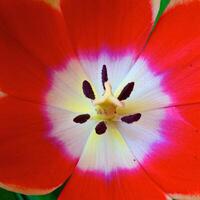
x,y
107,170
119,185
20,74
173,51
38,27
32,162
174,163
116,25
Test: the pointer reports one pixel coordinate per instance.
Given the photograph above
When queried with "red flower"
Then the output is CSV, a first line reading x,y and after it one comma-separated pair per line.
x,y
85,97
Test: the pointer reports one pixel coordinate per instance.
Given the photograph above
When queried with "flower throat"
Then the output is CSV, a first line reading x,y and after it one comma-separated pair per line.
x,y
106,106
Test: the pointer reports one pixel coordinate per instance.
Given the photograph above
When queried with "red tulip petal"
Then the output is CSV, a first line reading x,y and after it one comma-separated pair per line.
x,y
173,51
119,185
115,25
107,170
39,27
20,74
174,161
32,161
54,3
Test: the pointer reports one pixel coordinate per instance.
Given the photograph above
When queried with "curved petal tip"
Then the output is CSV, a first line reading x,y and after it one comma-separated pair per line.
x,y
185,197
27,190
54,3
174,3
2,94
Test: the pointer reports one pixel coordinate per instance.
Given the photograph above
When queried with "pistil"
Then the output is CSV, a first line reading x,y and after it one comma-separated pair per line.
x,y
108,97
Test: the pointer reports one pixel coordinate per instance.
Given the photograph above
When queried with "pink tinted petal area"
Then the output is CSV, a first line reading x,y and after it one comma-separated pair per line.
x,y
174,164
173,50
116,25
121,184
32,162
39,27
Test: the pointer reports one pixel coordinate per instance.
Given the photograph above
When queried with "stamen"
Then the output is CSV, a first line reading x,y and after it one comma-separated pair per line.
x,y
101,128
104,76
126,92
87,90
131,118
81,118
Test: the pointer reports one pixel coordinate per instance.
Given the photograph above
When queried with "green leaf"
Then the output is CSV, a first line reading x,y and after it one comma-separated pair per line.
x,y
42,197
57,192
6,195
19,197
163,5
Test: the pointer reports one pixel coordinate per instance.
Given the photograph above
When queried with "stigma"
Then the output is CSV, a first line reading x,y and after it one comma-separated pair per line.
x,y
106,105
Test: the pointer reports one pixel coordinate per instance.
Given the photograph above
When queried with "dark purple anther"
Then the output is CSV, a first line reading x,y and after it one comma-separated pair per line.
x,y
126,92
131,118
100,128
104,75
81,118
87,90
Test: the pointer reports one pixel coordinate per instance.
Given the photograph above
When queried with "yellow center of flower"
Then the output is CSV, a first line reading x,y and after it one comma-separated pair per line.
x,y
106,106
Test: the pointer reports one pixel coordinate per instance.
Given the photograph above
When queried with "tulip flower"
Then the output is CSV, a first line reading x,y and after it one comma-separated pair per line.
x,y
94,96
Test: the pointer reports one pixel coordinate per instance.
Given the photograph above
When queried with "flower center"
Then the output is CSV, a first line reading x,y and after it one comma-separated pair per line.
x,y
106,106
